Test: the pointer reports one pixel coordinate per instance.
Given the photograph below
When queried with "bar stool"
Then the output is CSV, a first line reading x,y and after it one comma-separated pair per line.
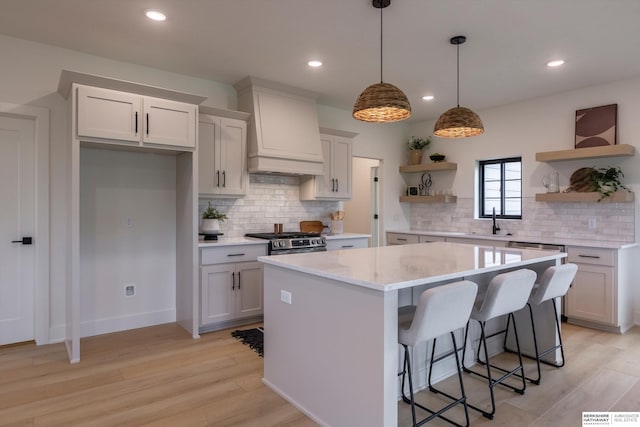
x,y
506,294
554,284
441,310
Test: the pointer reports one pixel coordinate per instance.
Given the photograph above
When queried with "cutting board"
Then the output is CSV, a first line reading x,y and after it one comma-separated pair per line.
x,y
311,226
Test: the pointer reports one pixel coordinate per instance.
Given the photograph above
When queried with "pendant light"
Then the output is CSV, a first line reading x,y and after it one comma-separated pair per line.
x,y
381,102
458,122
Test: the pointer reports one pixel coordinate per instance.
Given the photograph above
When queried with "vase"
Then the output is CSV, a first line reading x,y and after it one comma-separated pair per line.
x,y
210,226
415,157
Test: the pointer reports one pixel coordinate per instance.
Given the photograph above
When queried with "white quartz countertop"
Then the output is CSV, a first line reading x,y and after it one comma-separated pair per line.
x,y
387,268
605,244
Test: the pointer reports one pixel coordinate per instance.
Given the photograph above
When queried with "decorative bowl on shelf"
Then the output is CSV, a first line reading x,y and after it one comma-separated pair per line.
x,y
437,157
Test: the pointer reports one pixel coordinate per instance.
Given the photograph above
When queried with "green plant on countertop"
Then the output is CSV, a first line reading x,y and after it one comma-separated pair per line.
x,y
417,143
606,181
213,213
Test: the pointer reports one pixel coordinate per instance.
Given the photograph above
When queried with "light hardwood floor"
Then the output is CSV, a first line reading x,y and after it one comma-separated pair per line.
x,y
160,376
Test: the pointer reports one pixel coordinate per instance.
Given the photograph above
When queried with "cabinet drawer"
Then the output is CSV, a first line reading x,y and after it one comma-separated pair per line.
x,y
596,256
226,254
402,239
335,244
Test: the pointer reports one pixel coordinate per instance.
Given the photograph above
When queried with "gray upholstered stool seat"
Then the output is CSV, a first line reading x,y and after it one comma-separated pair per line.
x,y
505,294
555,283
441,310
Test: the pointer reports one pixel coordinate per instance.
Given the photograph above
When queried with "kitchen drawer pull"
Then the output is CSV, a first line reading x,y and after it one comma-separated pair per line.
x,y
333,185
224,178
233,281
235,254
590,256
337,185
238,280
401,239
347,246
217,178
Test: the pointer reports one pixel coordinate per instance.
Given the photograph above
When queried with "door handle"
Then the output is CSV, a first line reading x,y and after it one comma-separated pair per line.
x,y
233,281
337,186
24,241
147,123
218,178
238,280
136,122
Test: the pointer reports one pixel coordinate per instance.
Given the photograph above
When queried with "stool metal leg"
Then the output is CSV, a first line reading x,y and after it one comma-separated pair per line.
x,y
539,355
507,373
456,400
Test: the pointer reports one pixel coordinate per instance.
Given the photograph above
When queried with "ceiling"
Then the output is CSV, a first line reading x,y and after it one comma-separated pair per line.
x,y
503,60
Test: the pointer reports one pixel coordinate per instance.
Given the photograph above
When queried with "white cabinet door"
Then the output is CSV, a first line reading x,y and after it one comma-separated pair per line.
x,y
222,156
591,296
217,294
249,297
341,167
169,123
108,114
324,183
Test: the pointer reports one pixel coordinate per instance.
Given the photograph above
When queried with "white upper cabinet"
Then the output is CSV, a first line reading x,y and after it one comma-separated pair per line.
x,y
134,119
222,156
336,182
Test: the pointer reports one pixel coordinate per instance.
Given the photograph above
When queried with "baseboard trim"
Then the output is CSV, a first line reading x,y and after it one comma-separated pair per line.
x,y
123,323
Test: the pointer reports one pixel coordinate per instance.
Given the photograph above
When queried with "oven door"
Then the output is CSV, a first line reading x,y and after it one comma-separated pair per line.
x,y
297,251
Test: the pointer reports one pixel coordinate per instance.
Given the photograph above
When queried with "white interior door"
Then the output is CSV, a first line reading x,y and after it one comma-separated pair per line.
x,y
17,221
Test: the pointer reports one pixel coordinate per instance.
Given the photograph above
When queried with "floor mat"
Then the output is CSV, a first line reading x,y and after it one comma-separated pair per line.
x,y
251,337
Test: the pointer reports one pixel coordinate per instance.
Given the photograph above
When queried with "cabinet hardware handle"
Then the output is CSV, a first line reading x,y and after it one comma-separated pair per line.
x,y
233,281
235,254
136,122
337,185
218,178
401,239
147,123
347,246
238,280
24,241
224,178
589,256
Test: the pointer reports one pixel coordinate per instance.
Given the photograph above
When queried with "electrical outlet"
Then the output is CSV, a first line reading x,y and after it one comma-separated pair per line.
x,y
593,223
129,290
285,296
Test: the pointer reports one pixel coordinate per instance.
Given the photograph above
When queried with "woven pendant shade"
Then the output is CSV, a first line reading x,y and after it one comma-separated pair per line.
x,y
458,122
382,102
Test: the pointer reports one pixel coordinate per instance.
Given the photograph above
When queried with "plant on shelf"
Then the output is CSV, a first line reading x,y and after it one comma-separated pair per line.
x,y
211,219
416,144
606,181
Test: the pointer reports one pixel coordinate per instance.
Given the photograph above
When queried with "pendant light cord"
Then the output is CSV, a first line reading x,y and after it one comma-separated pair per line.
x,y
458,76
381,44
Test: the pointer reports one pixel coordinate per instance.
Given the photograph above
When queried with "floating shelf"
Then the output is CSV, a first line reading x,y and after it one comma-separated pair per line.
x,y
428,199
426,167
586,153
587,197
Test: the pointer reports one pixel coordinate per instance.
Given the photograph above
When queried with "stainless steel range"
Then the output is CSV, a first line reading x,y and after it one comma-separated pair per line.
x,y
292,242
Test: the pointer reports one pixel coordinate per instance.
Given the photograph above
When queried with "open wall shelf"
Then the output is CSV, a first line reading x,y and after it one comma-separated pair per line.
x,y
586,153
428,199
586,197
428,167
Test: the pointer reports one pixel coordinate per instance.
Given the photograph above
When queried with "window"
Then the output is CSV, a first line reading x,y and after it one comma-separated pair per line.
x,y
501,188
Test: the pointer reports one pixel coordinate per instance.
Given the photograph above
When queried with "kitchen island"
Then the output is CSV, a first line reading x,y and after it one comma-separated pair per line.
x,y
331,320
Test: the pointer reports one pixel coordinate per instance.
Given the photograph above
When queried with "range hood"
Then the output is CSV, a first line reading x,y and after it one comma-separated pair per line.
x,y
283,132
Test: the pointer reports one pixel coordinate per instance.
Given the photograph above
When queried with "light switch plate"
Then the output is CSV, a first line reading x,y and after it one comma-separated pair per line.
x,y
285,296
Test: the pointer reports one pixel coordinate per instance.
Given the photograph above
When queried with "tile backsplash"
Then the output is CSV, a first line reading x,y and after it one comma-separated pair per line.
x,y
270,199
540,221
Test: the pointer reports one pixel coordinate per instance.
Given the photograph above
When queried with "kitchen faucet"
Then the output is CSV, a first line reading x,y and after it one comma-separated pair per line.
x,y
496,228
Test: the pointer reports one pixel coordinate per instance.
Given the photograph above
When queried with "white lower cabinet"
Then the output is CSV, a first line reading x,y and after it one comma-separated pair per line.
x,y
230,292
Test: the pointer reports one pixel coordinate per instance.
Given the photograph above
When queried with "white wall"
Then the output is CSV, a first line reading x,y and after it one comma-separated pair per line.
x,y
127,236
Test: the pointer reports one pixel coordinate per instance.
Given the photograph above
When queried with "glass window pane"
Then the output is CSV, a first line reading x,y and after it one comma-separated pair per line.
x,y
513,207
489,204
492,172
512,170
501,186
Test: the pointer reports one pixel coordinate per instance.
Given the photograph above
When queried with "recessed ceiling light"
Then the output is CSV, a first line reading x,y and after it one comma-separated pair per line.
x,y
555,63
314,63
428,97
155,15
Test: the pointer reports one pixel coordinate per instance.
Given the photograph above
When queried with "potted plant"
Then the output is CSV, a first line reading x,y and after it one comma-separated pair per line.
x,y
606,181
416,144
211,218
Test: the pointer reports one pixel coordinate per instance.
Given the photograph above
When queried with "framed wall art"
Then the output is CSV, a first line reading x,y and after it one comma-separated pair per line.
x,y
597,126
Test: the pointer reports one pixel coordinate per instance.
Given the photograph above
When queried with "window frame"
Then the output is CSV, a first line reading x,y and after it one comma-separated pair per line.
x,y
501,162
